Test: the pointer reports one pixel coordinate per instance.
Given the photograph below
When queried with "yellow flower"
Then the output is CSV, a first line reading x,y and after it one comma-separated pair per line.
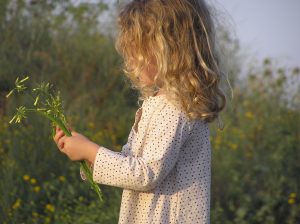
x,y
292,195
35,214
249,115
33,181
26,177
233,146
17,204
91,125
62,178
50,208
291,201
36,188
218,140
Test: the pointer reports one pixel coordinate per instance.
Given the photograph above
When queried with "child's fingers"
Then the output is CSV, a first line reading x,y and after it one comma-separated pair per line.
x,y
61,142
58,135
57,128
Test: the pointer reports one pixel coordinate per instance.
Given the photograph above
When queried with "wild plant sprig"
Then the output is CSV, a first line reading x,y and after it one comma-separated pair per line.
x,y
49,104
19,86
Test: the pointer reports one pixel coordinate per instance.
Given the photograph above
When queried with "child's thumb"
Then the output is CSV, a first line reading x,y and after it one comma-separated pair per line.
x,y
74,133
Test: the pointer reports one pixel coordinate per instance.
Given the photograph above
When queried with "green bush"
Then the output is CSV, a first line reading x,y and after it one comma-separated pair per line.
x,y
255,176
255,159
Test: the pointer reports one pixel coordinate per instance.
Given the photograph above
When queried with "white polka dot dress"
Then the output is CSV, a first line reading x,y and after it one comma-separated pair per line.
x,y
164,168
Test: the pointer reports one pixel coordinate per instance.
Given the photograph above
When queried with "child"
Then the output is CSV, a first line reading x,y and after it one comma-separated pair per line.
x,y
165,166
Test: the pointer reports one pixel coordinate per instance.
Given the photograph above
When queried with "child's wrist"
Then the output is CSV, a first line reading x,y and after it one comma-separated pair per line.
x,y
92,150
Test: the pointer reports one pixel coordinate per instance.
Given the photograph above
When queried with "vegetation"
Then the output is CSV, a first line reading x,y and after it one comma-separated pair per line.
x,y
255,158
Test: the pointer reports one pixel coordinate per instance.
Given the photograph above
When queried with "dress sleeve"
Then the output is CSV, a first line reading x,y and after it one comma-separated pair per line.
x,y
123,153
167,133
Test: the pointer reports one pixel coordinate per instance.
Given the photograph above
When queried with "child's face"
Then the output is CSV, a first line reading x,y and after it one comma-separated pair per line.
x,y
147,75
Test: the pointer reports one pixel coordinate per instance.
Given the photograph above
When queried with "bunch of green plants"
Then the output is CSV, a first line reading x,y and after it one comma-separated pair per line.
x,y
48,103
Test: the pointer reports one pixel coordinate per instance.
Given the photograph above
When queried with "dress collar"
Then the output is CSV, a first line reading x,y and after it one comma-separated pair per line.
x,y
151,102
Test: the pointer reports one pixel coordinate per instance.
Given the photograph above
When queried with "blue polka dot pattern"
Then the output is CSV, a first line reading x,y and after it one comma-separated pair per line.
x,y
164,168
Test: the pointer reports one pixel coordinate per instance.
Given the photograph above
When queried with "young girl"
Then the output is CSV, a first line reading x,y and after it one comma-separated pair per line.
x,y
165,167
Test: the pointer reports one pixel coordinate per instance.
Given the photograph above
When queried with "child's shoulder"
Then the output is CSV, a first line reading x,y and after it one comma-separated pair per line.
x,y
164,110
161,104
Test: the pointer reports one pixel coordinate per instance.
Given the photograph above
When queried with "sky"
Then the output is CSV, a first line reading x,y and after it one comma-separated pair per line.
x,y
264,28
268,28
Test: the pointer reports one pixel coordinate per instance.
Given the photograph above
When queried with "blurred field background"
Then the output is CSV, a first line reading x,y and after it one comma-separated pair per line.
x,y
255,173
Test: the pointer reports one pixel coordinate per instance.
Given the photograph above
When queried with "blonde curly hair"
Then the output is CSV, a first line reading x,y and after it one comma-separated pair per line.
x,y
180,36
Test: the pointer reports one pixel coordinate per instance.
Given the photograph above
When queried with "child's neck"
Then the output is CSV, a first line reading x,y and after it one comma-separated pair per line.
x,y
160,92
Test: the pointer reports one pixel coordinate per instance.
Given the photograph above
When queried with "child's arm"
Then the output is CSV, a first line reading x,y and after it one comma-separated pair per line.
x,y
123,152
167,134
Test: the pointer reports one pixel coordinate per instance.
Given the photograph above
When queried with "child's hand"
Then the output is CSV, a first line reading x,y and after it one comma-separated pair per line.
x,y
76,147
